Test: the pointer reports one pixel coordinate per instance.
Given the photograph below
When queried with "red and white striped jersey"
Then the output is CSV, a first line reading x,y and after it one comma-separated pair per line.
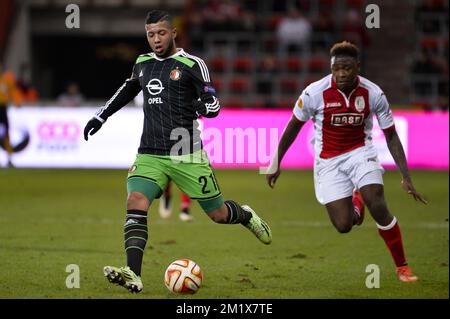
x,y
342,123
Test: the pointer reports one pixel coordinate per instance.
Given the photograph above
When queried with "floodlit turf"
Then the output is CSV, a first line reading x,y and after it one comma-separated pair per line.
x,y
52,218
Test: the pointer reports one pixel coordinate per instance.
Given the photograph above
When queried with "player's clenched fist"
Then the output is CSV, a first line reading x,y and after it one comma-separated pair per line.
x,y
92,127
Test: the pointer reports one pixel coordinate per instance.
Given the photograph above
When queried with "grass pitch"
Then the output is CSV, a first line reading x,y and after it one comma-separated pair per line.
x,y
52,218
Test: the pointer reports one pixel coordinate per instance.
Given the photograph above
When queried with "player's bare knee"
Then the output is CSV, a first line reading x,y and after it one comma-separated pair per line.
x,y
343,228
136,200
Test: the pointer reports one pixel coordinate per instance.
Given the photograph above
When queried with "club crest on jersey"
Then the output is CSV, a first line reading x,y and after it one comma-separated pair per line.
x,y
360,104
132,169
175,74
300,103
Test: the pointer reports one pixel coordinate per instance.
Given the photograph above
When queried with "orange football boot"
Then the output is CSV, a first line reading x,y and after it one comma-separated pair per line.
x,y
405,274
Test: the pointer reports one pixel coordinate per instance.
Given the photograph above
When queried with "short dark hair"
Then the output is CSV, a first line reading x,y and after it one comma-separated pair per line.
x,y
155,16
345,48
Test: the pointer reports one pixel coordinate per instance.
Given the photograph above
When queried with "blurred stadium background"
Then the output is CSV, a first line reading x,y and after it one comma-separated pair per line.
x,y
254,60
256,65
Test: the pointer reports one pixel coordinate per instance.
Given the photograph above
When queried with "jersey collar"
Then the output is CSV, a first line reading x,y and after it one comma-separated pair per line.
x,y
179,52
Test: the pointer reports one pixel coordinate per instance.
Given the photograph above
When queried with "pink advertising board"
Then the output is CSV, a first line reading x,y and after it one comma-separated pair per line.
x,y
248,138
235,139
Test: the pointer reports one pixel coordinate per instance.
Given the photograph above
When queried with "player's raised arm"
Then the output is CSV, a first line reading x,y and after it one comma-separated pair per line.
x,y
395,146
122,97
207,104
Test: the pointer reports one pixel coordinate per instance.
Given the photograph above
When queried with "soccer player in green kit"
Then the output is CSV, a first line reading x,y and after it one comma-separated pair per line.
x,y
177,91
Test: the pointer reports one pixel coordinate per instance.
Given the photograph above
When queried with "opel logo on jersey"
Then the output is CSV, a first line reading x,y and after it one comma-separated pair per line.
x,y
175,74
360,104
154,87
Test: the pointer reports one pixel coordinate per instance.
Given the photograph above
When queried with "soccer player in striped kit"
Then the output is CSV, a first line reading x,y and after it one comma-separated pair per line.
x,y
347,172
177,91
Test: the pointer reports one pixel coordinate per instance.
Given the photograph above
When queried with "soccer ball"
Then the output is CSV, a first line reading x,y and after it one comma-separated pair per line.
x,y
183,276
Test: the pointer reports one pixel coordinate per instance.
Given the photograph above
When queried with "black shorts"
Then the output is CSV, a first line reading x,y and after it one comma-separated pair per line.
x,y
4,116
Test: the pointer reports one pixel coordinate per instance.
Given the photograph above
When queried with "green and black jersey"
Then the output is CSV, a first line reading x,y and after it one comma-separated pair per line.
x,y
177,90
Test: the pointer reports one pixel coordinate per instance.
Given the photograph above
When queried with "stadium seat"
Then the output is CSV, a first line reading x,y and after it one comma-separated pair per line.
x,y
294,65
430,43
422,105
269,44
445,46
286,103
318,65
259,103
273,22
289,85
218,84
233,103
239,85
268,64
218,65
326,4
242,65
357,4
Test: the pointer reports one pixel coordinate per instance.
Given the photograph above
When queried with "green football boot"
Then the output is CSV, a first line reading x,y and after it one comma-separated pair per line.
x,y
258,226
124,277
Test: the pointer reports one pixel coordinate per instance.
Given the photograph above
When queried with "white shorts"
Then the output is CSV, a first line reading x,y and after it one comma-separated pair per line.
x,y
336,177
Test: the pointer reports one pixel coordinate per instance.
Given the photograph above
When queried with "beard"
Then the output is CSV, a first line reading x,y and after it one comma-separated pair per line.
x,y
167,51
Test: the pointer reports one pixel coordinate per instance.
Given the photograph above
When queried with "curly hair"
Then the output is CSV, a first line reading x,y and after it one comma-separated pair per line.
x,y
345,48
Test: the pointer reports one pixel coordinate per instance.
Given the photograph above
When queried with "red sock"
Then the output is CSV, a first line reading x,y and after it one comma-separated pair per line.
x,y
393,239
185,201
358,206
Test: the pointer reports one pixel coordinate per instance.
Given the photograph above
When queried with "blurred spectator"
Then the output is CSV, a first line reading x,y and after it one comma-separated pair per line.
x,y
430,78
293,32
324,28
28,93
265,82
8,96
324,22
72,96
194,31
427,15
226,16
426,64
